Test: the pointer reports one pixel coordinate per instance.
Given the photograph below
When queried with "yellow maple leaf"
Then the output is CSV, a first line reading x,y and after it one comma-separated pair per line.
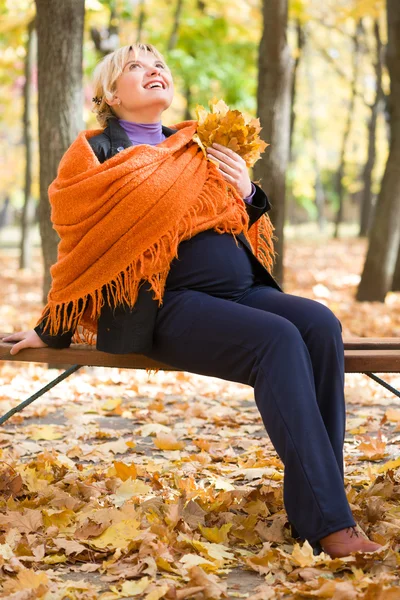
x,y
217,552
304,555
168,442
393,414
117,447
123,471
28,521
111,404
190,560
118,535
55,559
229,128
212,586
31,480
128,489
164,564
46,432
216,534
257,507
131,588
372,448
390,464
153,429
59,518
6,551
157,593
221,484
28,579
70,546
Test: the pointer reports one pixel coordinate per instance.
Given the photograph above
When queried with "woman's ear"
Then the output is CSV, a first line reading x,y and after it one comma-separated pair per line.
x,y
114,102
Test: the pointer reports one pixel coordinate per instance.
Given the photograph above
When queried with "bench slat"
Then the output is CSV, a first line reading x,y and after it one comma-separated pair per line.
x,y
78,354
361,355
372,343
372,361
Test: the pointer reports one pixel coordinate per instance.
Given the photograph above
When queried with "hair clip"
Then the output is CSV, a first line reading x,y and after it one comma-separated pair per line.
x,y
96,100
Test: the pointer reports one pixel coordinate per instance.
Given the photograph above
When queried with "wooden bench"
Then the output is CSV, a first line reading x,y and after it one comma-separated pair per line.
x,y
362,355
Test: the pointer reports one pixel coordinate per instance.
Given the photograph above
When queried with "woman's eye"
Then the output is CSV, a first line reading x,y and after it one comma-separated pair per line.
x,y
133,65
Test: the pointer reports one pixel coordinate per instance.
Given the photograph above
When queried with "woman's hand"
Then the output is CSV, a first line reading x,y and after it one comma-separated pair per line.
x,y
233,168
25,339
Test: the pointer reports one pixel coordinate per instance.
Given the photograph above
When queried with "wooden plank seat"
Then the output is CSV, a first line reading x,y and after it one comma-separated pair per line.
x,y
379,355
362,355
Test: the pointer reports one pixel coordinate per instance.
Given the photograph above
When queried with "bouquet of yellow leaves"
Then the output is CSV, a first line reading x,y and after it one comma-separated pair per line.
x,y
229,128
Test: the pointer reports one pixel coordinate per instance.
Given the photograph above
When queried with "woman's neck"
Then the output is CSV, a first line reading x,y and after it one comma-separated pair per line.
x,y
143,133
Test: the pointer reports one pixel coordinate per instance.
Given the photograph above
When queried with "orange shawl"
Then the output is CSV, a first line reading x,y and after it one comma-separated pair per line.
x,y
120,223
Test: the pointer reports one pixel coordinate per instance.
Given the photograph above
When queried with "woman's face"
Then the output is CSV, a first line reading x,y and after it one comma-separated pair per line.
x,y
144,88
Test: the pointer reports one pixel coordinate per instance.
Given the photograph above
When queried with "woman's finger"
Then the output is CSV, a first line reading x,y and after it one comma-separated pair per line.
x,y
229,179
17,347
14,337
224,157
226,169
231,154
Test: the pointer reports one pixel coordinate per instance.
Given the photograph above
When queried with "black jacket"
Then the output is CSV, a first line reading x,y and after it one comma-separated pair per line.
x,y
121,330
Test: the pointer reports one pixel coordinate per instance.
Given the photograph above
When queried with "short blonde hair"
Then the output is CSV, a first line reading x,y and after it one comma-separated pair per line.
x,y
106,74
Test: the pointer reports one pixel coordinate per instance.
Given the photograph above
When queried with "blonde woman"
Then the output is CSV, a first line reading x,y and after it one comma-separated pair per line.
x,y
155,257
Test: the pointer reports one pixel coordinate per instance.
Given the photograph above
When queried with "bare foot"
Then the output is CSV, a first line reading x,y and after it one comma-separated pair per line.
x,y
344,542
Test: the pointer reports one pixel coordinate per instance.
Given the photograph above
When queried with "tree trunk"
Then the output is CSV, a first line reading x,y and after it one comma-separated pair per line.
x,y
273,99
396,276
188,108
107,40
319,188
175,28
366,195
141,20
25,257
299,52
60,42
384,239
346,132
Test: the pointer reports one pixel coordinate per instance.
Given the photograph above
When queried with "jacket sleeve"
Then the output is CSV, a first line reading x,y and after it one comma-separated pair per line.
x,y
122,329
60,340
259,205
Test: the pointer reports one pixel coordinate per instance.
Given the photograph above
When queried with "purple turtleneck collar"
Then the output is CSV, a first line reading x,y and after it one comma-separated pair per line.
x,y
143,133
151,134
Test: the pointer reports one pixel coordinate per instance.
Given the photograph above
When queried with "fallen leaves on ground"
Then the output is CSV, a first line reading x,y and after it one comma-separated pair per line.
x,y
119,485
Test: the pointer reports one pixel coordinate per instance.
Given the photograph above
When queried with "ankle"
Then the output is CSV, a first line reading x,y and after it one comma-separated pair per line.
x,y
347,533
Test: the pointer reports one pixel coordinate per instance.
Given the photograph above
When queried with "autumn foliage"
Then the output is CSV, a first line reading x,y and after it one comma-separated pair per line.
x,y
117,485
229,128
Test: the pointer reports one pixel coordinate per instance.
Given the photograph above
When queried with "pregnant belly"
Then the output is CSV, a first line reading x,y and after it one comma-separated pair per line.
x,y
212,263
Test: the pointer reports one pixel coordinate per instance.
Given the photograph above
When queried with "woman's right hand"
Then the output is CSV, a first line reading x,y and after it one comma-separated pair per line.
x,y
25,339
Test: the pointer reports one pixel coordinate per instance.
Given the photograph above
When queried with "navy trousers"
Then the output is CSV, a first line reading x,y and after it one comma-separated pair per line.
x,y
290,350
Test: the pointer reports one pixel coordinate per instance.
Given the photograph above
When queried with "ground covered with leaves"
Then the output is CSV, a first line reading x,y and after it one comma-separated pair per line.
x,y
120,485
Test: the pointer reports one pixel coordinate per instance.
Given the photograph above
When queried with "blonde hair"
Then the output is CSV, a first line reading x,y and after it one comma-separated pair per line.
x,y
106,74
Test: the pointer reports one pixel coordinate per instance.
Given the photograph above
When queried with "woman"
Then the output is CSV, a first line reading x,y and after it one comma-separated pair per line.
x,y
195,297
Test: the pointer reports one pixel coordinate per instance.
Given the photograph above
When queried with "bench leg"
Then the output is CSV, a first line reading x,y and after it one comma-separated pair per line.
x,y
383,383
42,391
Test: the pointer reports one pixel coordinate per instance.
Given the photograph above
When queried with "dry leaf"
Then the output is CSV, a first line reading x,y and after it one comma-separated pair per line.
x,y
168,442
25,522
229,128
213,588
372,448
